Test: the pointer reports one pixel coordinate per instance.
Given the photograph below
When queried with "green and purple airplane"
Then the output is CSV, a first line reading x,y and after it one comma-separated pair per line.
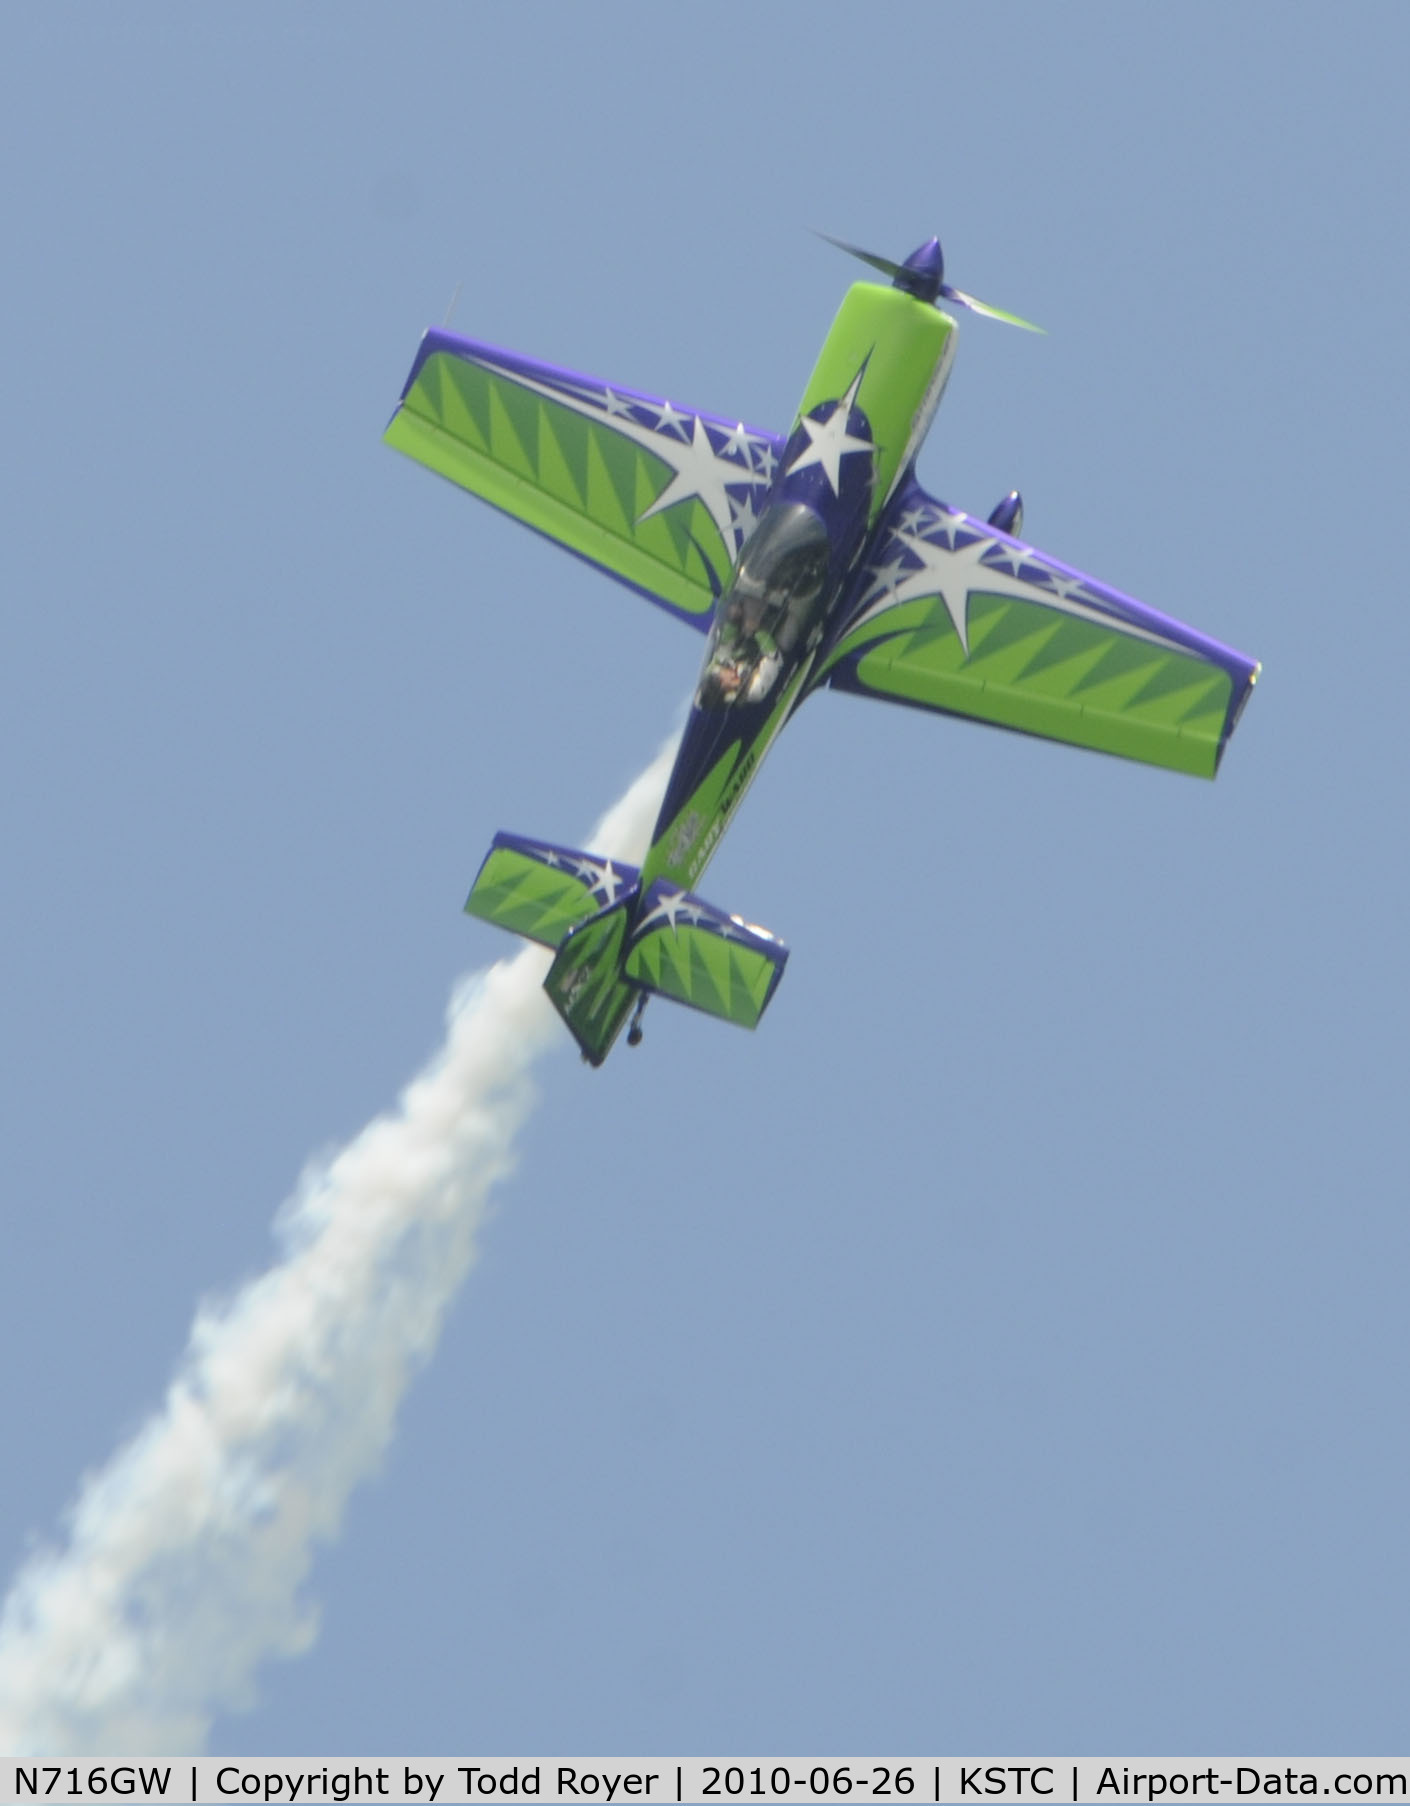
x,y
809,561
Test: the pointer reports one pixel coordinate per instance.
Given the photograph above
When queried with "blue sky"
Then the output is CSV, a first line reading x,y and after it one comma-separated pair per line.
x,y
1004,1348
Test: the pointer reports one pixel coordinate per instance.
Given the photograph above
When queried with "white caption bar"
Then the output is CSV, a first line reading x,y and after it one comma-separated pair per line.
x,y
895,1780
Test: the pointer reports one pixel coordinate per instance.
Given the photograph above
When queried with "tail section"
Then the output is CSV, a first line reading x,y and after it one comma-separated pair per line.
x,y
615,946
543,892
683,947
585,982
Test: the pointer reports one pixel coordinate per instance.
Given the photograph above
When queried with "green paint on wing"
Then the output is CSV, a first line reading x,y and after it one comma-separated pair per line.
x,y
1031,669
575,478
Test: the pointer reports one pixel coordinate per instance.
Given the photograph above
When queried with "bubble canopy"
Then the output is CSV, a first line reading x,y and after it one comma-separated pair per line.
x,y
770,606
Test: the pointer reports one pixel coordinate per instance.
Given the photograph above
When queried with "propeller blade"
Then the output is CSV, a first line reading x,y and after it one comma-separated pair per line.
x,y
921,277
961,299
884,264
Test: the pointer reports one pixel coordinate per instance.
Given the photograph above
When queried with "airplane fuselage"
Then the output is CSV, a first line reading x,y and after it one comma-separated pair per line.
x,y
867,407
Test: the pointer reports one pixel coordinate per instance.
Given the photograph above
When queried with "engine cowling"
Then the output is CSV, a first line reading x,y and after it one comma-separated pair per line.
x,y
1008,516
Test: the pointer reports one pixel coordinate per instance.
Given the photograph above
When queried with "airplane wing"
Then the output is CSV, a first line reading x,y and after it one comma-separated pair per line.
x,y
657,495
951,614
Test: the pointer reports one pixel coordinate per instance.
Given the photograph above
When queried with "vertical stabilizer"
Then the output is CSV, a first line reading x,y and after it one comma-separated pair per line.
x,y
585,981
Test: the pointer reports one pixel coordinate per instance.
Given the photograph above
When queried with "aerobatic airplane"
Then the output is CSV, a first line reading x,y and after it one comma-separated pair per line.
x,y
812,560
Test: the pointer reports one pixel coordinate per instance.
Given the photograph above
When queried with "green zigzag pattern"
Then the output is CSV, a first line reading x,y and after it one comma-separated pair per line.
x,y
1032,668
694,966
538,901
577,479
598,1004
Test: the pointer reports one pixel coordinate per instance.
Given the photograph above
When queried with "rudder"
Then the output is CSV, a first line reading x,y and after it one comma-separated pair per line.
x,y
585,981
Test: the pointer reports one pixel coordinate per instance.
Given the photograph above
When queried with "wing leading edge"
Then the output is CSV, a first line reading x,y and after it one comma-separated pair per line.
x,y
659,496
952,615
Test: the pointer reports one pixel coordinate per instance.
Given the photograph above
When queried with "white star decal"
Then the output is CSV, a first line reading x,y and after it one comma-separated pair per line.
x,y
742,518
736,444
829,442
766,461
698,471
1015,557
671,420
615,407
953,571
886,578
675,906
1069,587
600,878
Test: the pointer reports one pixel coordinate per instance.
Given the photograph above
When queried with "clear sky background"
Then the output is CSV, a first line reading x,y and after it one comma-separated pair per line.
x,y
1005,1348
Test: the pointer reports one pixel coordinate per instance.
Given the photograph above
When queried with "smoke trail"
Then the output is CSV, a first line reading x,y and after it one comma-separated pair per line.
x,y
188,1551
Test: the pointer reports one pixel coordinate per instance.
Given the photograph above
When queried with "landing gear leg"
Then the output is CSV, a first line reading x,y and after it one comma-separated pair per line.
x,y
634,1032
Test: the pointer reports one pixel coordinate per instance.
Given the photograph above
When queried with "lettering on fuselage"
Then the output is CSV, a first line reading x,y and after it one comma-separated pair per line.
x,y
734,790
684,838
702,858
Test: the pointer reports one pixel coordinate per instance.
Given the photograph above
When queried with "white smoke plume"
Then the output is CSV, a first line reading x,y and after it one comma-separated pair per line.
x,y
188,1552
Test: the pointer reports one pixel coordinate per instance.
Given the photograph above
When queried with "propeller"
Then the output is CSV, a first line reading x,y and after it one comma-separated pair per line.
x,y
923,275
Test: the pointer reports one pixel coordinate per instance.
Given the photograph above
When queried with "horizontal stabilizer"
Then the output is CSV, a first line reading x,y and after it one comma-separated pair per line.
x,y
542,891
684,948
